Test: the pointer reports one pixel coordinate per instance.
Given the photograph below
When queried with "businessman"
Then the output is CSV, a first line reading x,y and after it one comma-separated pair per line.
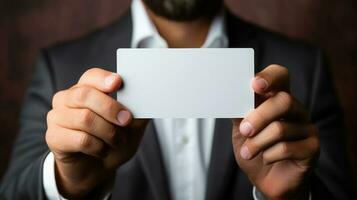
x,y
77,142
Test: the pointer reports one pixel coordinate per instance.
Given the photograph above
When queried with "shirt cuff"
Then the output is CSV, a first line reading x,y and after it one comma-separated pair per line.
x,y
49,180
257,195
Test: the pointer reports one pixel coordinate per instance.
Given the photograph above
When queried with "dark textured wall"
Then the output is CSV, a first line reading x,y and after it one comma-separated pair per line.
x,y
27,25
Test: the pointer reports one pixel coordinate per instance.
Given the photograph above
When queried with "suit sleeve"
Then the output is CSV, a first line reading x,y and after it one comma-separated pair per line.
x,y
331,179
23,179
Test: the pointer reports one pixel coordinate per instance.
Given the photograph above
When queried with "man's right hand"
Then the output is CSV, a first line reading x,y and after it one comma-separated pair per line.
x,y
90,133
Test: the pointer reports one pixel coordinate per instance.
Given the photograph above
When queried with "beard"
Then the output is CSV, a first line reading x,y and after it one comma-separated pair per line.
x,y
184,10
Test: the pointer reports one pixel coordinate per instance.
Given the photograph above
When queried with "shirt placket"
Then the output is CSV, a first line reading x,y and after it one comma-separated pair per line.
x,y
183,161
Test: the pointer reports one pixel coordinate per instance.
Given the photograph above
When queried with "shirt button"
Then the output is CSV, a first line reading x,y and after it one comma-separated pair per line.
x,y
184,140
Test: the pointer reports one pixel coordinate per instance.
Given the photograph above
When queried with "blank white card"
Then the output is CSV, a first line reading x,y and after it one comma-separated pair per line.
x,y
186,83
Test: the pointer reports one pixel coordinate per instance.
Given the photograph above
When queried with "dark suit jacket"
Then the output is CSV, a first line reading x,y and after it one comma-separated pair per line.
x,y
144,176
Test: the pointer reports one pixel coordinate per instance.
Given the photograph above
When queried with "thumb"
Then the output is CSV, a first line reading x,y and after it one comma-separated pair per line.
x,y
101,79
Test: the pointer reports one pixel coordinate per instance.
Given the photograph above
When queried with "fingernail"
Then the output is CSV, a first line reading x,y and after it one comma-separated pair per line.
x,y
244,153
123,117
110,80
245,128
261,83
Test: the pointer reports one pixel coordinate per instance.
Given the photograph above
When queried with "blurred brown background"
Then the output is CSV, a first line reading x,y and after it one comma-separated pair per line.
x,y
27,25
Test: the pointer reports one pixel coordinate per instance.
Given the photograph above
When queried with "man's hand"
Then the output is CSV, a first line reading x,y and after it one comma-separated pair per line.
x,y
276,145
90,133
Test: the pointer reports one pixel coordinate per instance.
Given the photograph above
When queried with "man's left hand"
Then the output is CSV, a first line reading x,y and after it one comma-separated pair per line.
x,y
275,144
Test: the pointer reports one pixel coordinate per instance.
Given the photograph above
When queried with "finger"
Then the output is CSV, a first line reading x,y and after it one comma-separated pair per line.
x,y
64,140
273,78
237,138
92,99
279,106
87,121
100,79
275,132
237,141
301,151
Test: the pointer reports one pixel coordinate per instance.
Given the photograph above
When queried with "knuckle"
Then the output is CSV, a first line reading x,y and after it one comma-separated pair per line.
x,y
285,100
50,117
265,156
52,139
279,67
87,117
49,138
56,98
284,70
110,106
81,94
90,71
111,134
85,141
275,66
278,128
284,149
93,70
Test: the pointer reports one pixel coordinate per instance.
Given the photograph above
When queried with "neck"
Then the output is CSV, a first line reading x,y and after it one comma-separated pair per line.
x,y
178,34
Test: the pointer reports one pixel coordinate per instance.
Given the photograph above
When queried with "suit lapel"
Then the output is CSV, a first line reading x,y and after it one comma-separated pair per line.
x,y
151,160
223,166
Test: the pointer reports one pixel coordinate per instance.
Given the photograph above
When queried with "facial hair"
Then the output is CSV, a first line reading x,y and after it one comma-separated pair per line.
x,y
184,10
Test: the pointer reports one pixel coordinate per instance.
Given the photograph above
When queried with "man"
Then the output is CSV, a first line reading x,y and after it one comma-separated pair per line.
x,y
98,151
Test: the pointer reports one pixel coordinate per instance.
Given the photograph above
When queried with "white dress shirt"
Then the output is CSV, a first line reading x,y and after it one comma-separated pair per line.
x,y
185,143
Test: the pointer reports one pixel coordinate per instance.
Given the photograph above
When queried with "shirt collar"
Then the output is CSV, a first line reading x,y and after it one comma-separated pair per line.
x,y
144,29
217,35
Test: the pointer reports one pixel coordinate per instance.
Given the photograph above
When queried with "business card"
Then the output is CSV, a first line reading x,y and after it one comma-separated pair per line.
x,y
186,83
